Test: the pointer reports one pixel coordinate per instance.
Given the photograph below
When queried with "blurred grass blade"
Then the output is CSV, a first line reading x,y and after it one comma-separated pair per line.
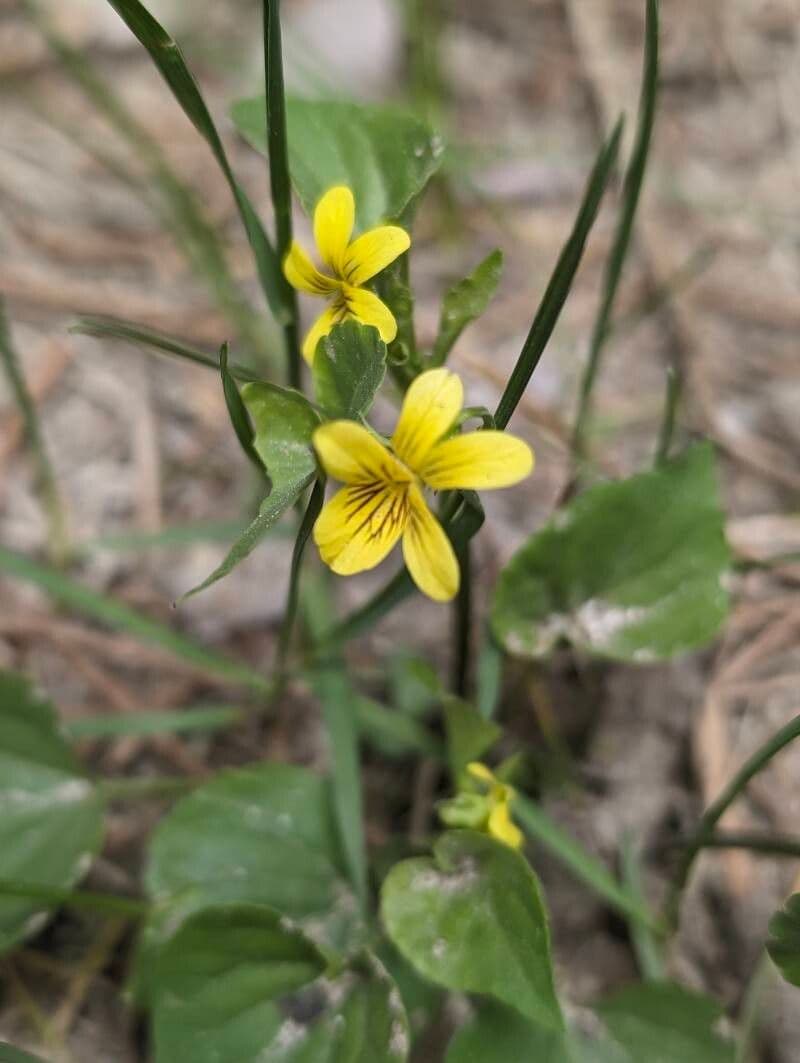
x,y
177,535
622,237
280,184
391,729
58,540
541,828
561,281
167,57
139,724
81,900
106,610
667,430
645,944
340,714
240,418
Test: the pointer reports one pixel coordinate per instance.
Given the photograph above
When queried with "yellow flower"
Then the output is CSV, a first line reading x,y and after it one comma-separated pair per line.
x,y
484,804
383,498
352,263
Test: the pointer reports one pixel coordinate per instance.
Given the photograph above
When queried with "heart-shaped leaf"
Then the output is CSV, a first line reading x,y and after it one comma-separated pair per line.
x,y
632,570
349,367
234,983
664,1023
472,919
258,835
52,818
385,155
465,302
784,943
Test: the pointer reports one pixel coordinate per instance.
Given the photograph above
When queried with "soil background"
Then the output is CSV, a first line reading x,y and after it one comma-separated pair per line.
x,y
142,443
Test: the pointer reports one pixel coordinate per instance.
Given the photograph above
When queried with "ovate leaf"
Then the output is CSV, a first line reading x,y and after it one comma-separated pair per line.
x,y
349,367
385,155
465,302
263,834
631,570
472,919
664,1023
52,821
784,943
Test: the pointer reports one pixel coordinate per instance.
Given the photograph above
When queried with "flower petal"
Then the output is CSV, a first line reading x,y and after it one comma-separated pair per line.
x,y
367,308
329,317
430,406
334,218
372,252
501,827
428,554
477,460
302,274
360,525
348,452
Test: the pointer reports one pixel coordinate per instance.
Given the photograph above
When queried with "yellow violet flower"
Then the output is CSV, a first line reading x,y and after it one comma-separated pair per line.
x,y
383,498
352,262
488,810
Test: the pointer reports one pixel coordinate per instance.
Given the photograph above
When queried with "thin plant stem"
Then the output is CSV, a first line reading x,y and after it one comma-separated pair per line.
x,y
705,829
622,237
667,430
280,183
462,622
293,597
57,535
767,844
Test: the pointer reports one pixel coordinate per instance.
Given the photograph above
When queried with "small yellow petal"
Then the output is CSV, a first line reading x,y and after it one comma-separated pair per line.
x,y
372,252
431,405
334,217
367,308
477,460
502,828
329,317
348,452
302,274
427,551
360,525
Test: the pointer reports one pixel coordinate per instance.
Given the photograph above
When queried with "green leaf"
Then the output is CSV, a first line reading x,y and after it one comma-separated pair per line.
x,y
205,718
393,732
348,370
284,422
107,610
52,822
472,919
237,412
263,834
661,1022
631,570
385,155
220,989
499,1035
414,684
170,63
215,983
784,943
469,735
465,302
272,509
9,1054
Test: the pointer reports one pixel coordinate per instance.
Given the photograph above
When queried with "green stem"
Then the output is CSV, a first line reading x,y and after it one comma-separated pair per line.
x,y
58,538
293,597
768,844
280,183
622,237
462,622
667,430
717,810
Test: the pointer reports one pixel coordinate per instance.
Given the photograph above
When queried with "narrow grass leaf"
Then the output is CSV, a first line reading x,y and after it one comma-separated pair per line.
x,y
139,724
240,419
561,281
167,57
73,595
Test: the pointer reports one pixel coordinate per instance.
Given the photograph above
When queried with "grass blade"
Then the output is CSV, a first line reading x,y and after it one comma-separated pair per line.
x,y
170,63
58,539
177,535
667,429
67,592
278,155
240,418
632,188
142,724
541,828
560,282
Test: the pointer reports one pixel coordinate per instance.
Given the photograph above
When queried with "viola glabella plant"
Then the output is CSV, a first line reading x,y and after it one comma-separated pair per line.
x,y
384,501
352,262
262,899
